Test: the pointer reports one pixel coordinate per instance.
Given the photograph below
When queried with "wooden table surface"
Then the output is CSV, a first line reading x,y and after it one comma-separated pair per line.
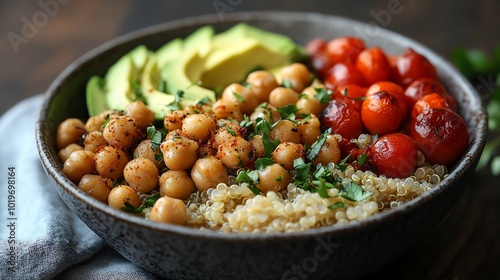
x,y
38,41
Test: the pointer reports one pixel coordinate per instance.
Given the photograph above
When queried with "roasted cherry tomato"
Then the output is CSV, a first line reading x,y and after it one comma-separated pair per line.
x,y
316,47
425,86
343,118
411,66
381,113
344,49
393,89
395,155
341,74
373,65
352,91
441,135
432,100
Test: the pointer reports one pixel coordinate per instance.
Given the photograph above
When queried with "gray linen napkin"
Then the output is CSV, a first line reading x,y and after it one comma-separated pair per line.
x,y
40,237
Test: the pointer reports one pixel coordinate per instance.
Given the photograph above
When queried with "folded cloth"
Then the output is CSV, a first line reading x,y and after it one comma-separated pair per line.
x,y
41,238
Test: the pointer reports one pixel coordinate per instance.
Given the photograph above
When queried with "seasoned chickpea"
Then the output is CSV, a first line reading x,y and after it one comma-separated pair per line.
x,y
235,153
258,146
227,109
95,123
93,141
69,131
179,152
140,113
329,152
208,172
66,152
286,153
198,127
309,104
242,95
226,132
96,186
144,150
173,121
298,75
169,210
176,184
79,164
110,162
141,174
121,194
281,97
310,130
265,111
262,83
122,132
285,131
273,178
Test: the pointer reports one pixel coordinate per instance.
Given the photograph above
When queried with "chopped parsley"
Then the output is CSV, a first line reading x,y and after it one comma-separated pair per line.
x,y
162,86
288,112
175,105
139,93
316,147
246,122
262,163
354,192
251,178
338,205
205,100
230,130
323,95
287,83
106,121
238,97
362,159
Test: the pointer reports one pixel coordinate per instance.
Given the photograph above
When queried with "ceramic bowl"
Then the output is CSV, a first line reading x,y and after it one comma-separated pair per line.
x,y
339,252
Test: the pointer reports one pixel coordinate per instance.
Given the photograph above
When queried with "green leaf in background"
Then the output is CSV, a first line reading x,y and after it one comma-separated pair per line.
x,y
471,62
495,166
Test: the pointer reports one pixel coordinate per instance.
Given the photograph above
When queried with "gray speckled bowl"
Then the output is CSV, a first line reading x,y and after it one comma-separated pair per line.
x,y
330,252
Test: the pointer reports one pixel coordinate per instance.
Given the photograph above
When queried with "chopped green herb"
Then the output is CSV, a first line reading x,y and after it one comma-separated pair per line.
x,y
251,178
156,136
322,189
106,121
323,95
343,163
262,163
279,178
139,93
354,192
175,105
246,84
362,159
316,147
303,96
205,100
238,97
246,122
230,130
288,112
287,83
162,86
152,199
302,169
131,209
338,205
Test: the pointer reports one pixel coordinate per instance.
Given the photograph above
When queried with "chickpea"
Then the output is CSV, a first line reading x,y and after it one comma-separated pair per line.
x,y
242,95
208,172
273,178
141,114
96,186
298,75
310,130
179,152
143,150
286,153
141,174
235,153
176,184
226,132
329,152
69,131
258,146
281,97
93,141
198,127
79,164
110,162
265,111
262,83
227,109
66,152
121,194
173,121
169,210
285,131
122,132
309,104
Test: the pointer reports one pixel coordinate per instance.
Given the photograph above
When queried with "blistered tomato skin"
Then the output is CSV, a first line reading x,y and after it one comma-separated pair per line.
x,y
373,65
411,66
381,113
343,118
395,155
421,87
393,89
341,74
432,100
344,49
440,134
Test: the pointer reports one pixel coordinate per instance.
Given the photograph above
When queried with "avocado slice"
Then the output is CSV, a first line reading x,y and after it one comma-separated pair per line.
x,y
169,51
95,97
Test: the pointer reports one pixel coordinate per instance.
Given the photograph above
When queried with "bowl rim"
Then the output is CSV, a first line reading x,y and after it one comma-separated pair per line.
x,y
50,163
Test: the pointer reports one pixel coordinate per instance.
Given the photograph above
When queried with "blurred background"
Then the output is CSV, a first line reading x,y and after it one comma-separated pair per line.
x,y
39,38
